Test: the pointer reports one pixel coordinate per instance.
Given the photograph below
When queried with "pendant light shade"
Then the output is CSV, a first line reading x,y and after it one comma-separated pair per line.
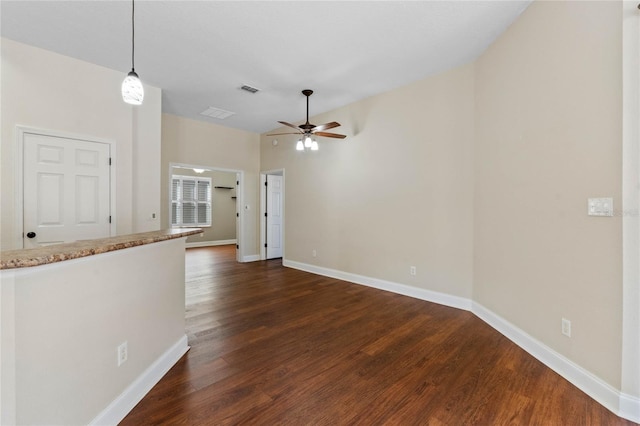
x,y
300,146
132,90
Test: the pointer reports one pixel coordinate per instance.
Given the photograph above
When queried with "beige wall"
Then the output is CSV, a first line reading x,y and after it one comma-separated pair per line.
x,y
397,192
195,143
48,91
147,143
224,209
548,136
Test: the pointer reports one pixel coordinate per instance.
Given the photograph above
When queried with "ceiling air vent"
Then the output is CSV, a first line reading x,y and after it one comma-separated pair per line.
x,y
217,113
249,88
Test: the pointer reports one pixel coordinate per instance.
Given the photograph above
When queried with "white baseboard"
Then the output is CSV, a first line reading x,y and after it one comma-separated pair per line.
x,y
124,403
596,388
407,290
622,405
211,243
251,258
629,407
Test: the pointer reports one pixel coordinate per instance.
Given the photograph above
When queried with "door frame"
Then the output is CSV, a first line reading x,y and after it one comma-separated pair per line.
x,y
630,369
263,210
18,186
240,222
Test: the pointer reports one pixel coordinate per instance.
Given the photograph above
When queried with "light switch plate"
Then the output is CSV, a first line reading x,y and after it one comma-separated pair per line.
x,y
600,207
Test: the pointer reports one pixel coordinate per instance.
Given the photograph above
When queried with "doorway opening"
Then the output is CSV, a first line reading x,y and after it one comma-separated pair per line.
x,y
210,198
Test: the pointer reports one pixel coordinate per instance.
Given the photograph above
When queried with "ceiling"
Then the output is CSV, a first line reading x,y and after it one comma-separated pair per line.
x,y
201,52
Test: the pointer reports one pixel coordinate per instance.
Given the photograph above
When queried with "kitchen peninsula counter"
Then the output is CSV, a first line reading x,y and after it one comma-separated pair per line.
x,y
60,252
66,312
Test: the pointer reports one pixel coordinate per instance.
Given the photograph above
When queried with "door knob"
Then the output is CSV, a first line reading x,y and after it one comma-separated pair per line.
x,y
31,234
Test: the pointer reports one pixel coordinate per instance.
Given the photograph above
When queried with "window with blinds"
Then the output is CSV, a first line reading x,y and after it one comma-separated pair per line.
x,y
190,201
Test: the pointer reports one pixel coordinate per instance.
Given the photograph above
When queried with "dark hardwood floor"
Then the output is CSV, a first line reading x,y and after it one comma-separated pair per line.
x,y
272,345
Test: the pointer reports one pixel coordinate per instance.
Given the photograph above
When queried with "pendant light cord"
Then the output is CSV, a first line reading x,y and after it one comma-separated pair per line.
x,y
132,89
133,33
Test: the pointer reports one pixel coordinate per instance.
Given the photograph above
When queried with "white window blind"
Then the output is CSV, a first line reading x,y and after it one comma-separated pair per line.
x,y
190,201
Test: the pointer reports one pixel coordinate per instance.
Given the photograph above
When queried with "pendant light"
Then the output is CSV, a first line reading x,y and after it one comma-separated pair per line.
x,y
132,90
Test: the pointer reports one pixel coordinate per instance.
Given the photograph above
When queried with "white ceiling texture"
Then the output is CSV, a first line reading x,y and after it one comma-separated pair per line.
x,y
201,52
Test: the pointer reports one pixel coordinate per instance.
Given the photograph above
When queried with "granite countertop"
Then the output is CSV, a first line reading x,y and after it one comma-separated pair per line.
x,y
25,258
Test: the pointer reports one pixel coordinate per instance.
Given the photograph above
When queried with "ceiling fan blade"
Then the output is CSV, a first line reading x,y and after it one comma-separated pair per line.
x,y
278,134
290,125
330,135
326,126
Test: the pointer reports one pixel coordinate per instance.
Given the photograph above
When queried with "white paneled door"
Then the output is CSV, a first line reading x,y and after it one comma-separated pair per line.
x,y
66,190
274,216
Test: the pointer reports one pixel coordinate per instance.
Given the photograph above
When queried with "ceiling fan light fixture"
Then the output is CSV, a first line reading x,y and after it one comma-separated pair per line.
x,y
308,142
314,146
300,146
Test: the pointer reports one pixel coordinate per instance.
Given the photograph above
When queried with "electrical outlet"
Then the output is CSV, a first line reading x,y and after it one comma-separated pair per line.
x,y
566,327
123,353
314,253
412,270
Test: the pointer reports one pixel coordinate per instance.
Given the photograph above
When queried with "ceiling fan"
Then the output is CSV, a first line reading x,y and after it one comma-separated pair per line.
x,y
307,129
